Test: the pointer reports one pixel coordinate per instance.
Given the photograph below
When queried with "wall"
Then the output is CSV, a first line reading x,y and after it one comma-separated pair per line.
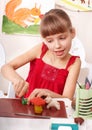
x,y
82,21
13,46
17,44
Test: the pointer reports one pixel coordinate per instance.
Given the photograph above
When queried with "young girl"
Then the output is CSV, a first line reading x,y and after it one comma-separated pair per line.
x,y
53,71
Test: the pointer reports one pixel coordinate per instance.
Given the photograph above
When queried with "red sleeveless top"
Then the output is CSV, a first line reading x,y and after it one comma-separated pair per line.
x,y
42,75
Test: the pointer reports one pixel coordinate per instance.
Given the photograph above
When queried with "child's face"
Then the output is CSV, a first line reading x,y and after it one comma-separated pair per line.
x,y
60,44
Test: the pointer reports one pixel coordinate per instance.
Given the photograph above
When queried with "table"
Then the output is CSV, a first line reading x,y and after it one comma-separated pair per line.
x,y
23,124
7,123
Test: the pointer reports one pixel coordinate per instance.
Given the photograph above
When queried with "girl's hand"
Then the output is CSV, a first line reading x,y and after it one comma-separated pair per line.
x,y
39,93
20,87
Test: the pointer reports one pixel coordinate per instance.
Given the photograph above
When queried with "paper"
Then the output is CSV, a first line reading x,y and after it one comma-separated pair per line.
x,y
24,16
76,5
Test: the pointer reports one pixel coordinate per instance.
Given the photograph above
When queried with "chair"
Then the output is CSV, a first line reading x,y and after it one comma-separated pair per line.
x,y
76,49
2,55
11,92
86,68
2,62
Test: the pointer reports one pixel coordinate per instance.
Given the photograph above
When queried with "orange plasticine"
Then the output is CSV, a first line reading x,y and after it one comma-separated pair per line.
x,y
38,101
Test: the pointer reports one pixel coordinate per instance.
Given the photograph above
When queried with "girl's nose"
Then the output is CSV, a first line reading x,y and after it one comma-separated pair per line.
x,y
57,44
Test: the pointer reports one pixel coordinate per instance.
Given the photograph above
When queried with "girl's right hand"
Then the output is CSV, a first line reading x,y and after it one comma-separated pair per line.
x,y
20,87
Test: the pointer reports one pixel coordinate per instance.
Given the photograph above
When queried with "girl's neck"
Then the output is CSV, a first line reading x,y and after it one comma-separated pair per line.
x,y
53,60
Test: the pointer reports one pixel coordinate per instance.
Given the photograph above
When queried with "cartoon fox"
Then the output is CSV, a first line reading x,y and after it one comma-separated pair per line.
x,y
21,15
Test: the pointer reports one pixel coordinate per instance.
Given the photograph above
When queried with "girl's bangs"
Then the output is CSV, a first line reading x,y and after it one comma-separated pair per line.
x,y
52,26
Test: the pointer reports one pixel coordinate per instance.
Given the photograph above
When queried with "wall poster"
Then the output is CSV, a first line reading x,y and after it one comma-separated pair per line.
x,y
24,16
76,5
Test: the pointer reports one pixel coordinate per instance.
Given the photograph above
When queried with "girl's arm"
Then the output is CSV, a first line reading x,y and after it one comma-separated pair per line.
x,y
72,78
9,70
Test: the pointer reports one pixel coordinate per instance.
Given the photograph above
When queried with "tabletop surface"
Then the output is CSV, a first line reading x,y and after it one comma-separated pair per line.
x,y
8,123
15,108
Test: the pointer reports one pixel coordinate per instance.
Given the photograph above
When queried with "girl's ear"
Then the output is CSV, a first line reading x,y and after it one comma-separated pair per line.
x,y
73,32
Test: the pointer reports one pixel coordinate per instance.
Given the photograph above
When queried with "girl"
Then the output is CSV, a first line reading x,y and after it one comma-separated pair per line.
x,y
53,71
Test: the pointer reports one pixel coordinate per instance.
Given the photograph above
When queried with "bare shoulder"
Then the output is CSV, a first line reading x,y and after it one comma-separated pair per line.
x,y
78,61
76,65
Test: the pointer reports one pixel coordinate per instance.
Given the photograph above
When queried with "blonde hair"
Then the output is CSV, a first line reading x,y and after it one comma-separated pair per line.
x,y
55,21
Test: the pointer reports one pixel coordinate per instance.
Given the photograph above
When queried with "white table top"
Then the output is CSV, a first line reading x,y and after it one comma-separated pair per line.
x,y
41,124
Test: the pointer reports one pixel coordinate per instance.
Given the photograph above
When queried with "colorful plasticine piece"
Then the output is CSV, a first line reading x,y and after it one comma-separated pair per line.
x,y
38,103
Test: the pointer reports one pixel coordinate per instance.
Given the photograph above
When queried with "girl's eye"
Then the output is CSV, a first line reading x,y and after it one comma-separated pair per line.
x,y
62,38
49,41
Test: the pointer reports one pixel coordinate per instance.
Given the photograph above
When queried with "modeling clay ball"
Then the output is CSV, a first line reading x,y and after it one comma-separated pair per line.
x,y
78,120
38,103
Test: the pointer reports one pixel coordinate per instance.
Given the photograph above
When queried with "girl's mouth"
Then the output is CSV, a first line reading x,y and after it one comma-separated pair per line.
x,y
59,53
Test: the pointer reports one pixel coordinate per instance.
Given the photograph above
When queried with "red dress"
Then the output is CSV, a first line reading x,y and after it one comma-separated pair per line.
x,y
42,75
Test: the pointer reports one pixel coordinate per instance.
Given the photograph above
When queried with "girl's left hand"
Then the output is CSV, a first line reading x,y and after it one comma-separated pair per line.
x,y
39,93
